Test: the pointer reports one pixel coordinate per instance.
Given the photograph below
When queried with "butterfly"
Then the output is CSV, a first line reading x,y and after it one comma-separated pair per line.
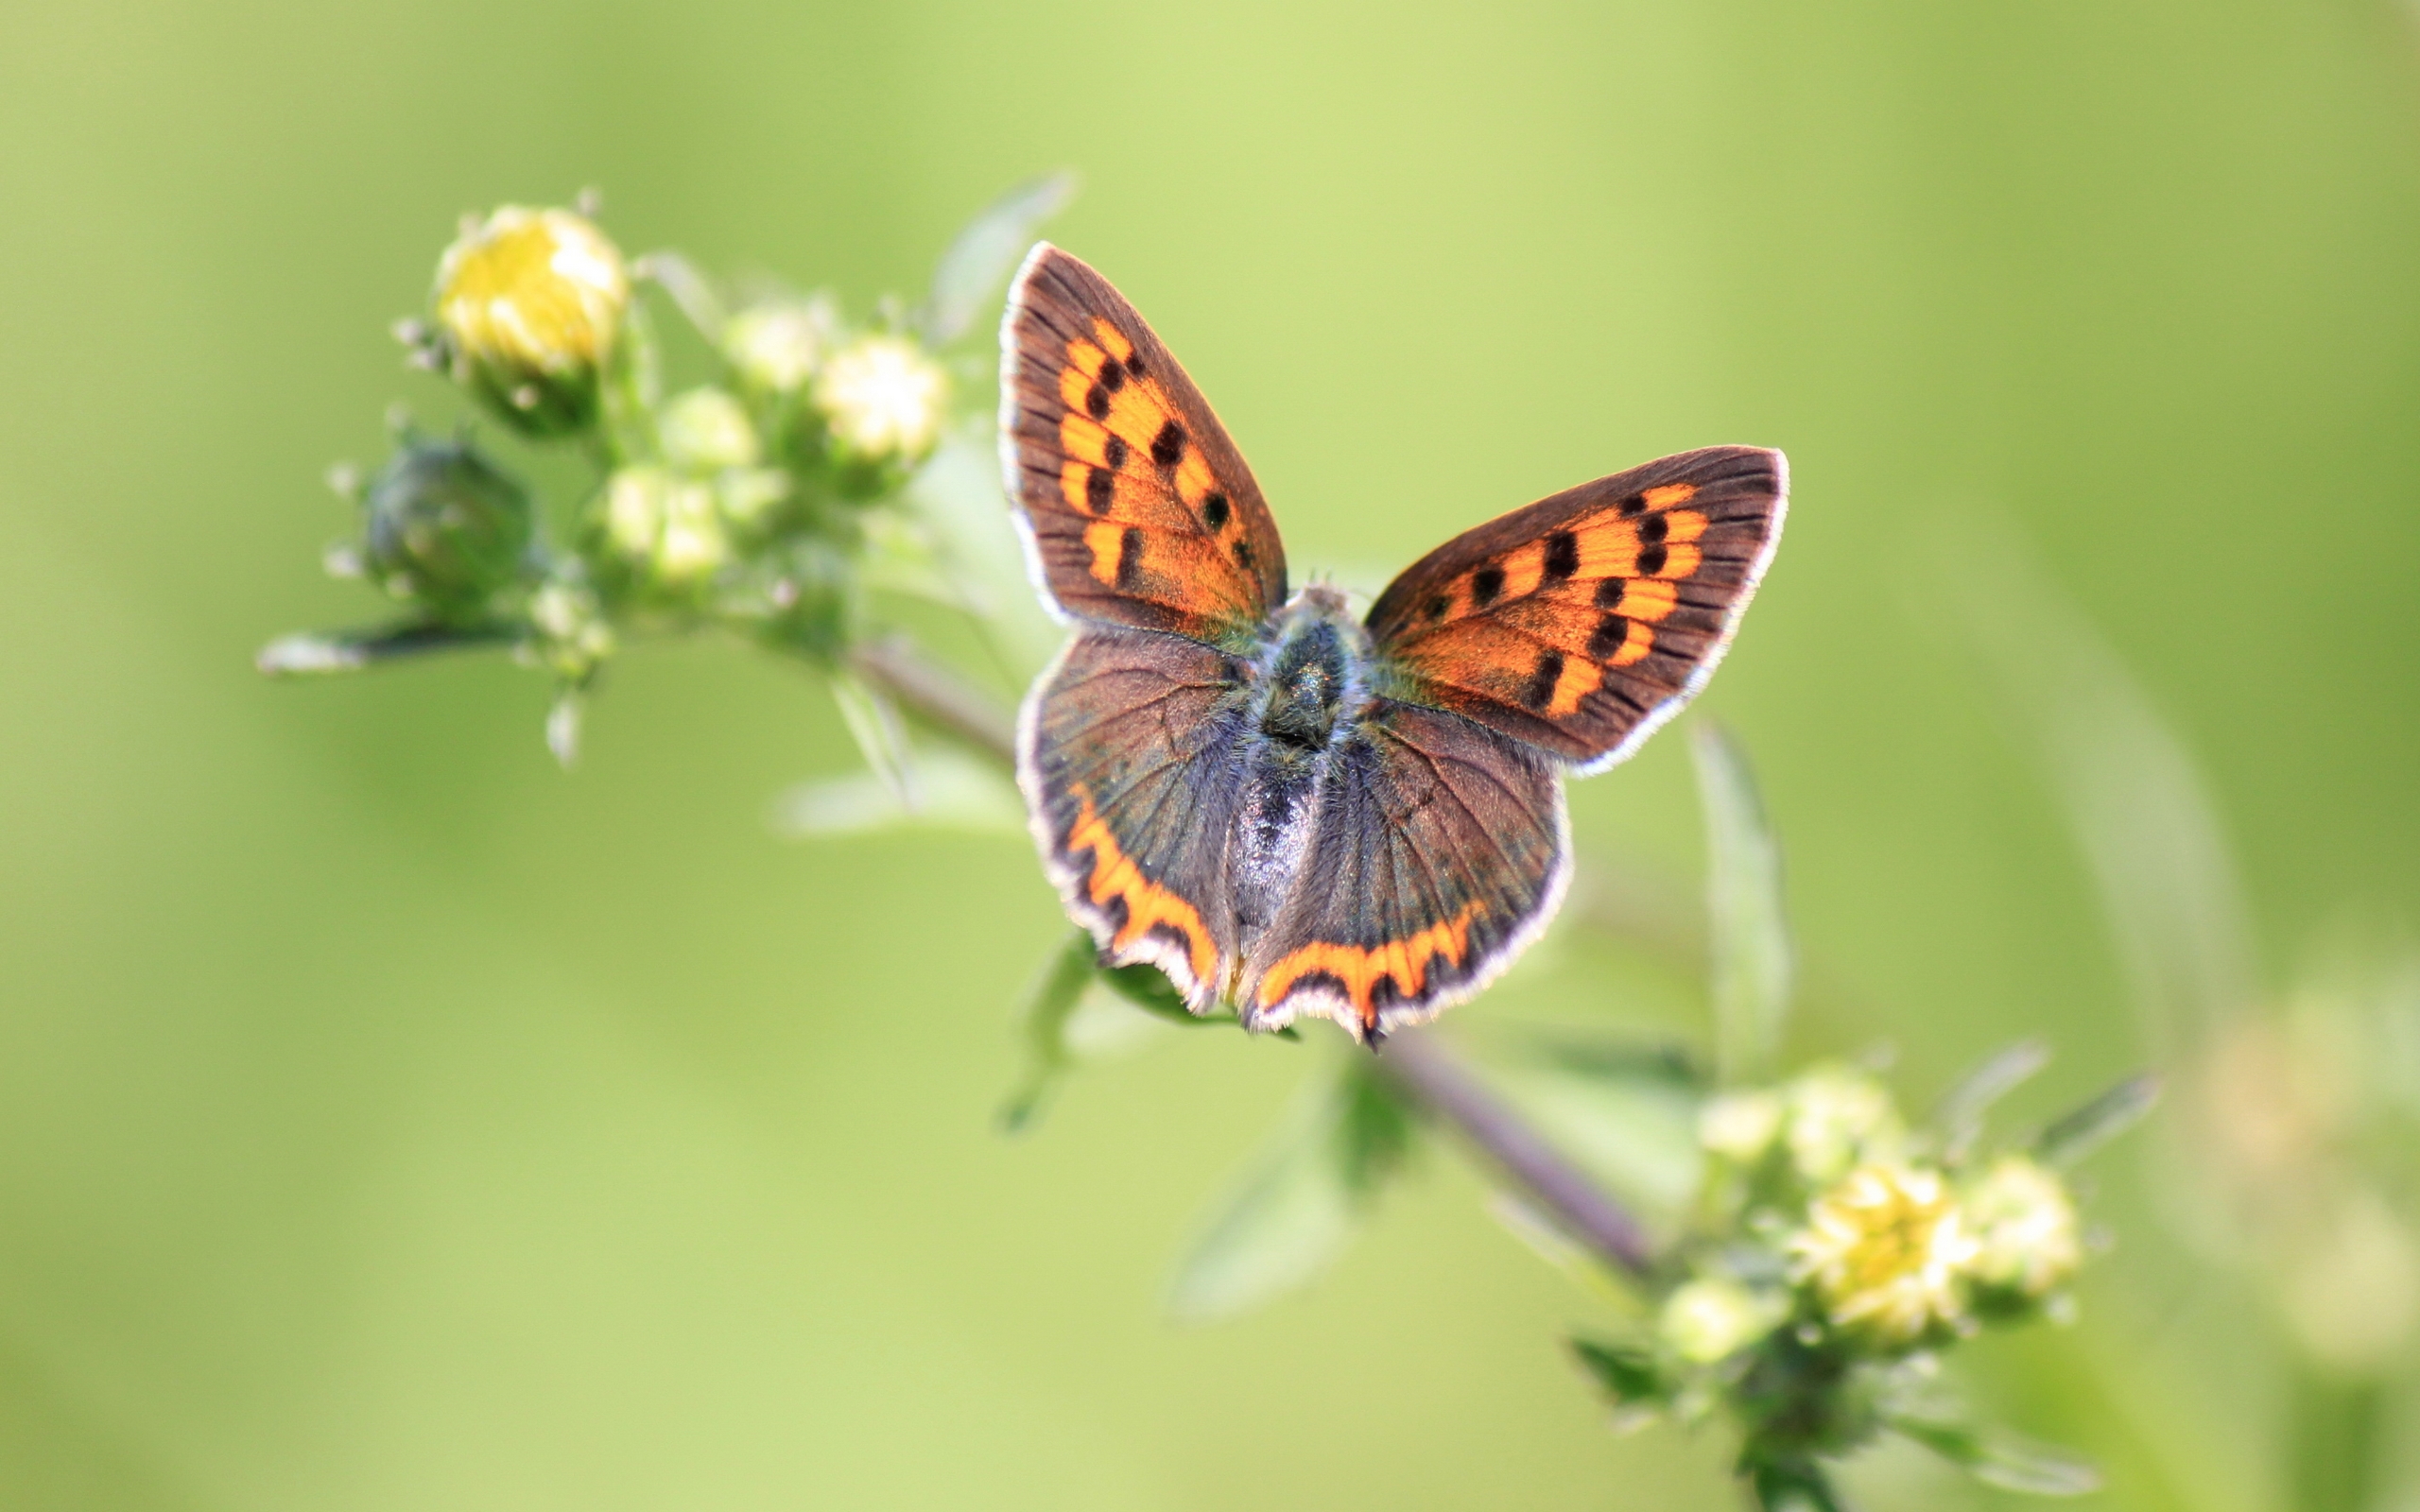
x,y
1285,810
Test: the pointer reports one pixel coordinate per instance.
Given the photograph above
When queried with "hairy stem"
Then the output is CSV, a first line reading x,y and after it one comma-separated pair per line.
x,y
1421,1066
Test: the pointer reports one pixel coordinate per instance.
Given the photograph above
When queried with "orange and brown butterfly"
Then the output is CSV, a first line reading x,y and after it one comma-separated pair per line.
x,y
1283,809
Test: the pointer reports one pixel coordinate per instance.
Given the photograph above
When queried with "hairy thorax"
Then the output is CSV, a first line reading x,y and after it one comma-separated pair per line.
x,y
1310,685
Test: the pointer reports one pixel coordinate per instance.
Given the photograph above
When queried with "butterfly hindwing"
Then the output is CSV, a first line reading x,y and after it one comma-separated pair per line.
x,y
1126,755
1440,851
1138,507
1582,622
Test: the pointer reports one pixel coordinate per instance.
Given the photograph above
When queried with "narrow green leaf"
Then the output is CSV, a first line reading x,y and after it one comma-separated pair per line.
x,y
1302,1201
2133,794
985,250
2078,1134
1752,956
1627,1373
1959,1118
873,722
2003,1459
1046,1013
954,792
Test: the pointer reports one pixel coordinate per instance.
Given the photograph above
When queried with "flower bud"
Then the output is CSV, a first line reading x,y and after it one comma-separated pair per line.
x,y
573,635
663,528
1883,1252
1836,1118
705,431
776,346
883,401
530,302
1713,1317
1741,1126
445,530
2028,1241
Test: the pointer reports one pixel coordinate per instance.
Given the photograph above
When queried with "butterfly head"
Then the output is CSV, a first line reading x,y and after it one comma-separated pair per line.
x,y
1314,672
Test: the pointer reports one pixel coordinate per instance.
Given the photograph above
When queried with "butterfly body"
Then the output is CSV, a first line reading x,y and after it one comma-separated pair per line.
x,y
1285,809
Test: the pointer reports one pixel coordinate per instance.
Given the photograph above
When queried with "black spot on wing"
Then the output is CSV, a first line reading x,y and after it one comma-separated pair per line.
x,y
1112,377
1608,637
1114,450
1563,556
1539,690
1214,513
1167,448
1486,584
1097,402
1609,593
1652,529
1651,561
1129,558
1100,486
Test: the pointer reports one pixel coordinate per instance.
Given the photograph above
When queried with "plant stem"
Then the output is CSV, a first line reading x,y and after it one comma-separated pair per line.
x,y
352,650
1429,1070
1423,1066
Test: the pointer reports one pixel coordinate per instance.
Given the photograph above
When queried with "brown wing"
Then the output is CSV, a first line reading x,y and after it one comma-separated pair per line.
x,y
1583,622
1139,510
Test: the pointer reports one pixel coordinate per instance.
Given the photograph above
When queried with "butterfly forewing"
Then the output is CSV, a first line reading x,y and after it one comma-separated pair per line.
x,y
1139,508
1582,622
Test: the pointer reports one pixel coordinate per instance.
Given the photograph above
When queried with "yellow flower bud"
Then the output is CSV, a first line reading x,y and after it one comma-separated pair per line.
x,y
883,400
776,346
1712,1318
705,431
2028,1241
530,302
1883,1252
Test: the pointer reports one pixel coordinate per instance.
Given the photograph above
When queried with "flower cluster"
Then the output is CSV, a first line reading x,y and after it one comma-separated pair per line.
x,y
763,500
1833,1252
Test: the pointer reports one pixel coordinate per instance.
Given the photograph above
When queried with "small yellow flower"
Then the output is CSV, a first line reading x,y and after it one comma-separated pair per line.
x,y
1884,1251
1712,1318
530,302
883,399
777,345
1741,1126
1839,1118
665,525
705,431
2023,1224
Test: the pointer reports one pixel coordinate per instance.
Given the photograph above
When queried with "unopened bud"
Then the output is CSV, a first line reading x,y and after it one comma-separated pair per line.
x,y
2028,1241
445,530
1838,1118
664,526
1714,1318
776,346
882,400
530,302
705,431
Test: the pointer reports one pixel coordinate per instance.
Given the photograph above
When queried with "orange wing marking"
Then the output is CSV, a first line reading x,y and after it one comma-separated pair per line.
x,y
1404,960
1148,905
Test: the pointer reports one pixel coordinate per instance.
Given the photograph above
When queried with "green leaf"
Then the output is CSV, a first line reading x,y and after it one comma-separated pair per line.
x,y
1959,1118
2078,1134
1046,1013
1752,956
1626,1372
1791,1485
954,792
2134,796
984,252
882,739
1302,1198
2003,1459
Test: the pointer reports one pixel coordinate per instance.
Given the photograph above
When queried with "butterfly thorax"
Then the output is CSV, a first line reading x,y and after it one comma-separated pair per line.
x,y
1309,686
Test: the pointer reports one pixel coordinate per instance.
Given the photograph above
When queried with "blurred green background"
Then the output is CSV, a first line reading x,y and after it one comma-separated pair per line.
x,y
389,1120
